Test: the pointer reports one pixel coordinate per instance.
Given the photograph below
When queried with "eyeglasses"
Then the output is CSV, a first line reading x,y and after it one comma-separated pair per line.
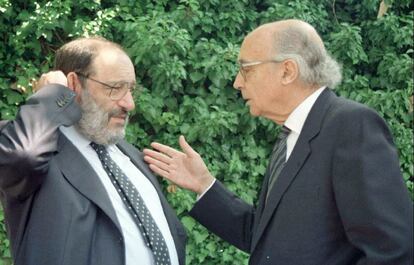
x,y
243,66
115,92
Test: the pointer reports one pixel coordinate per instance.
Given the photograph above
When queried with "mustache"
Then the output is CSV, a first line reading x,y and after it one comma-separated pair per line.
x,y
118,112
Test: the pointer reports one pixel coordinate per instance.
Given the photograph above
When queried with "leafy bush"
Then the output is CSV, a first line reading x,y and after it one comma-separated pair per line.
x,y
185,52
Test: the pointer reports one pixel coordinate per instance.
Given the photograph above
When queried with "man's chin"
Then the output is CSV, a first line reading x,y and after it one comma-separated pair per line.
x,y
112,138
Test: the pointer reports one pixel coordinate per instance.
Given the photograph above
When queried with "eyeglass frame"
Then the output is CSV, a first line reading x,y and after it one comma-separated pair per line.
x,y
130,88
242,65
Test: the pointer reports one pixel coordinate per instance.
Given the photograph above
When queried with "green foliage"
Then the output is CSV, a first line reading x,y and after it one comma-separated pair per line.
x,y
185,52
4,243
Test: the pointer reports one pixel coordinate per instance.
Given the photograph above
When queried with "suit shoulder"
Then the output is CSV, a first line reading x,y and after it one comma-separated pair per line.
x,y
348,116
344,108
129,149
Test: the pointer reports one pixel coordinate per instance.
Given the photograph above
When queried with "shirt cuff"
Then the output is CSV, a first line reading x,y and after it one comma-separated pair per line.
x,y
208,188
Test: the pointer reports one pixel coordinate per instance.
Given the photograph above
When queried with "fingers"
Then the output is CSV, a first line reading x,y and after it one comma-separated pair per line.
x,y
169,151
53,77
186,147
159,171
157,156
157,162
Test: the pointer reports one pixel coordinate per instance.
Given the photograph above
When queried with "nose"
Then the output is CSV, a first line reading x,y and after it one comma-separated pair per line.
x,y
238,82
127,102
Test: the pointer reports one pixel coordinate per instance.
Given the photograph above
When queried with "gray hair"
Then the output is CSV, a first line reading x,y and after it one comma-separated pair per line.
x,y
316,67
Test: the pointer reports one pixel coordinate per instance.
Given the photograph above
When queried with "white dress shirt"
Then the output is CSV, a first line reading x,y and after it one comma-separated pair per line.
x,y
136,251
297,119
294,122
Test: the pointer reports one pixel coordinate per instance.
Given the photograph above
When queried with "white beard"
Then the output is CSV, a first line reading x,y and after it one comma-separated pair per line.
x,y
94,122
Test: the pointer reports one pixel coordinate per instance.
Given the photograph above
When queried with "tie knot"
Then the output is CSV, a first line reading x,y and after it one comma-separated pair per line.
x,y
97,147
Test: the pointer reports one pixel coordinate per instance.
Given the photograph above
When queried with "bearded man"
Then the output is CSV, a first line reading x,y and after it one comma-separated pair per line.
x,y
73,191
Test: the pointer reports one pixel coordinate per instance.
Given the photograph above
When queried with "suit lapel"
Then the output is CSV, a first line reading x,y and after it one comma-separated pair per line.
x,y
83,178
138,161
298,157
174,224
79,173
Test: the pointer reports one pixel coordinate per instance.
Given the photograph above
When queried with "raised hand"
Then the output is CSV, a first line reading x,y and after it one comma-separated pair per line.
x,y
52,77
186,169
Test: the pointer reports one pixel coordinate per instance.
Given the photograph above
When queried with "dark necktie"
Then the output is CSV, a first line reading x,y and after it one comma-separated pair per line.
x,y
136,206
278,158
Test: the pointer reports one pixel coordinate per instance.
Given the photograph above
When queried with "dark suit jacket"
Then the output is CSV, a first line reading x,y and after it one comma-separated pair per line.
x,y
57,210
340,199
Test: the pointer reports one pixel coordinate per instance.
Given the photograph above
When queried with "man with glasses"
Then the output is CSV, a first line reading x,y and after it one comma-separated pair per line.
x,y
73,191
333,193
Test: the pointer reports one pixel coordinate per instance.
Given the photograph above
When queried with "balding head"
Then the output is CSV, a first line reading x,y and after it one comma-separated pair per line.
x,y
78,55
293,26
297,40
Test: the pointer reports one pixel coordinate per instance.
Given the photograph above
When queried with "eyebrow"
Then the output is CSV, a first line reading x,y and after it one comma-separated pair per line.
x,y
120,82
246,61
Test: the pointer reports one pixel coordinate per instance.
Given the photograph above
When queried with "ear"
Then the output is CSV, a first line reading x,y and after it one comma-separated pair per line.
x,y
290,71
74,83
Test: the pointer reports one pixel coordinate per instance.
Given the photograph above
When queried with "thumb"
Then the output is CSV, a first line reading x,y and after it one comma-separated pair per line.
x,y
186,147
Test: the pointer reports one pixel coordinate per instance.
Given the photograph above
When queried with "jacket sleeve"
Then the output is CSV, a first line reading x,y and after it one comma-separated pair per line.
x,y
370,193
28,142
224,214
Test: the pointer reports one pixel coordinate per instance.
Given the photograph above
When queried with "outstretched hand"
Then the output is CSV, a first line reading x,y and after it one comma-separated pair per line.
x,y
186,169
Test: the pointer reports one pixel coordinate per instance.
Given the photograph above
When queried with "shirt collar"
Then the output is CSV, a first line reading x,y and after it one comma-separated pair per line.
x,y
75,136
297,118
80,141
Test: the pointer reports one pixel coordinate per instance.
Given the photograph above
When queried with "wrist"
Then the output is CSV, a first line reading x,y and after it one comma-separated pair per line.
x,y
205,184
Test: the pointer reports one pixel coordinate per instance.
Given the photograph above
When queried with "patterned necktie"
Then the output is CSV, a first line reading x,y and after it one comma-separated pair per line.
x,y
136,207
278,158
